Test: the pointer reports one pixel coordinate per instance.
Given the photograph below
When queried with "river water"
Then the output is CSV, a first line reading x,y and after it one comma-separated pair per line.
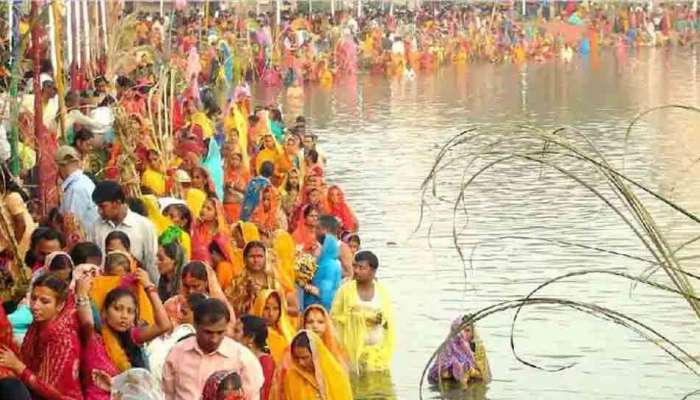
x,y
381,138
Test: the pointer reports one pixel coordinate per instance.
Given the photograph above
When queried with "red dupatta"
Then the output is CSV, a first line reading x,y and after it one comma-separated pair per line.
x,y
6,340
341,210
51,352
202,234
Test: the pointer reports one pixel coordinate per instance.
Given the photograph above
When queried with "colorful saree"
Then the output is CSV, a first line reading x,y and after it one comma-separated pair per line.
x,y
329,381
329,337
202,233
461,360
341,210
280,335
51,353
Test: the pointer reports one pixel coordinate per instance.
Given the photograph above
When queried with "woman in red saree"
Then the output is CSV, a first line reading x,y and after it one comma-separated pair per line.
x,y
49,360
236,178
268,215
211,221
305,233
338,207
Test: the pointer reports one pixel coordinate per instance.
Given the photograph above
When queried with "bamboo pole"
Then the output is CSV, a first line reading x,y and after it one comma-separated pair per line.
x,y
10,24
39,130
103,10
86,22
57,48
78,30
69,31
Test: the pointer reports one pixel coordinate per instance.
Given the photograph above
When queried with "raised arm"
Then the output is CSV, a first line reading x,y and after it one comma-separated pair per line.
x,y
162,322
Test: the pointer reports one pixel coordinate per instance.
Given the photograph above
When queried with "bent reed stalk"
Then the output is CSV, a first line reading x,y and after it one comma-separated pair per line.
x,y
556,151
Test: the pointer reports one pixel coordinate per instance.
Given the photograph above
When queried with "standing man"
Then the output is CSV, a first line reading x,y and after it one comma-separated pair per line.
x,y
77,188
116,216
193,360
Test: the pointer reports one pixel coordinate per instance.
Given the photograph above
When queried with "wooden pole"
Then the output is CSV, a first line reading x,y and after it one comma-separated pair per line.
x,y
10,6
40,131
69,31
86,22
78,30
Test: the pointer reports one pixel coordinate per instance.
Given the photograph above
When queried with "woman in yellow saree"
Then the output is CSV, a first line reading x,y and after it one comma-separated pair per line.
x,y
309,371
270,305
316,319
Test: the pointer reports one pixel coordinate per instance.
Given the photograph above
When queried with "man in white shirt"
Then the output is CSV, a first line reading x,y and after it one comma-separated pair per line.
x,y
116,216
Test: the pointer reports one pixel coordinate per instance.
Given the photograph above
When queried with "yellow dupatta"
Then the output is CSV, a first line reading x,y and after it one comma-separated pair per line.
x,y
328,382
351,323
284,247
163,222
195,199
236,119
101,286
203,121
280,335
329,337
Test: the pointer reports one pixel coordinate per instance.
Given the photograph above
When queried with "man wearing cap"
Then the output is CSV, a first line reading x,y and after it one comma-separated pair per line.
x,y
115,215
77,188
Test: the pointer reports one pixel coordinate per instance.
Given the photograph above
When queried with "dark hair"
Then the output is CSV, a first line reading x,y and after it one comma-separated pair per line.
x,y
117,258
107,191
132,350
13,388
195,269
329,222
267,169
308,209
39,234
185,212
195,299
175,252
82,135
84,250
256,328
231,381
312,155
54,283
288,185
301,340
136,205
300,120
252,245
60,262
210,311
120,236
10,183
215,248
366,255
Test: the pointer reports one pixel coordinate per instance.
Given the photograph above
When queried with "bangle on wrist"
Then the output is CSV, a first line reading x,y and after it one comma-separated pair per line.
x,y
82,301
150,288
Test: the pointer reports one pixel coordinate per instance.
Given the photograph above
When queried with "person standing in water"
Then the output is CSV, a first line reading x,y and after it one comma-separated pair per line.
x,y
363,315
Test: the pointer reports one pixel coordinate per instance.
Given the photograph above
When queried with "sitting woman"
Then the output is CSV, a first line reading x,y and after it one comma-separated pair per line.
x,y
50,355
463,360
317,320
270,305
224,385
309,371
116,345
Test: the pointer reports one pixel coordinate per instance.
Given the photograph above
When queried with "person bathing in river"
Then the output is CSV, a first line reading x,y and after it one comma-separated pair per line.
x,y
463,360
363,315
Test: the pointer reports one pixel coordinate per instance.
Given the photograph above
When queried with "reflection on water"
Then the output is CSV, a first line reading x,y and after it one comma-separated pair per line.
x,y
381,137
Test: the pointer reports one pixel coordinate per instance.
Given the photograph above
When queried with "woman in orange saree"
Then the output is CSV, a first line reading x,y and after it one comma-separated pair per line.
x,y
270,305
211,221
338,207
268,215
316,319
305,233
